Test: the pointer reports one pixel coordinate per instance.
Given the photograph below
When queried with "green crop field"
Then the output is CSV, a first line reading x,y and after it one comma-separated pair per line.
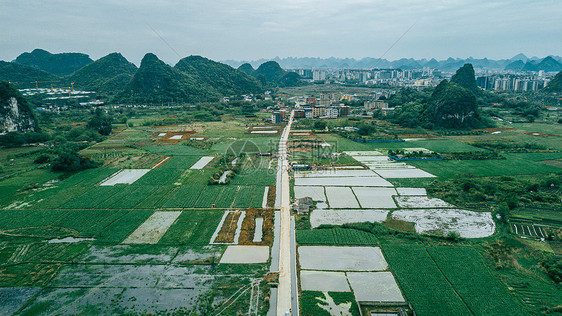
x,y
226,196
260,176
422,282
104,225
448,280
180,162
158,197
484,294
88,223
514,165
118,230
93,198
12,219
336,236
208,196
160,176
244,197
193,228
184,196
258,197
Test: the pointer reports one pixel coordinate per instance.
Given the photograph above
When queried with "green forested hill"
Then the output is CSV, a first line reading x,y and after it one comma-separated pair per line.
x,y
555,85
271,74
156,82
225,79
23,76
108,75
465,78
247,69
59,64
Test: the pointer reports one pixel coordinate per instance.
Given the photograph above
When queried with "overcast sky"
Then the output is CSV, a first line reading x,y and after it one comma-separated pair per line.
x,y
253,29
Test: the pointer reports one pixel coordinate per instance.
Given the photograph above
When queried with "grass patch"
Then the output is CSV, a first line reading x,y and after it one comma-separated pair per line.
x,y
400,225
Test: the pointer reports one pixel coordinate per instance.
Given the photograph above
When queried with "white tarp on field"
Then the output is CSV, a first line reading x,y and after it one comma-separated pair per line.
x,y
245,254
341,197
335,173
340,217
316,193
404,173
125,176
264,132
468,224
375,287
411,191
372,197
326,281
344,181
420,202
341,258
202,162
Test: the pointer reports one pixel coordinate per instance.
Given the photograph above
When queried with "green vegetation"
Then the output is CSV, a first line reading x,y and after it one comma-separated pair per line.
x,y
555,85
512,165
336,236
272,75
107,75
418,273
311,302
22,75
156,82
58,64
225,79
450,273
465,78
193,228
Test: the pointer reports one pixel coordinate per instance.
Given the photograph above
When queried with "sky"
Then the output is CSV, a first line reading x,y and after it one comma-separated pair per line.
x,y
254,29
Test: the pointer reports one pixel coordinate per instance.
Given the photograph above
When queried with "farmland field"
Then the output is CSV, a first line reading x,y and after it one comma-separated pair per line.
x,y
450,274
336,237
417,275
193,228
514,165
483,295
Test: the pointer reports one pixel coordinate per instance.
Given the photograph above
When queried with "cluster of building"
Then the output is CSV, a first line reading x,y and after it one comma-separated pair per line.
x,y
513,82
316,111
394,77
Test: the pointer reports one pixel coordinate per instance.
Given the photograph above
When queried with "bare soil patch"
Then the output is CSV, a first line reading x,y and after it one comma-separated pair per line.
x,y
228,229
249,227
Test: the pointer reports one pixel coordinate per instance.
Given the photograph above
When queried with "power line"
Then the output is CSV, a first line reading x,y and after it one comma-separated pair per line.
x,y
393,44
163,40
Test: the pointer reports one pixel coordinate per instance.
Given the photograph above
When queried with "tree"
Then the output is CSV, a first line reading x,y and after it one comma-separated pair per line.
x,y
101,123
320,124
68,160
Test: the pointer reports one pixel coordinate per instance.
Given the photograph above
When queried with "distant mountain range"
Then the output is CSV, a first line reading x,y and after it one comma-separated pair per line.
x,y
192,79
516,63
198,79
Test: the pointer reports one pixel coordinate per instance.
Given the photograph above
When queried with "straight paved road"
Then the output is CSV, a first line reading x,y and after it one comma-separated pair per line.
x,y
285,290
